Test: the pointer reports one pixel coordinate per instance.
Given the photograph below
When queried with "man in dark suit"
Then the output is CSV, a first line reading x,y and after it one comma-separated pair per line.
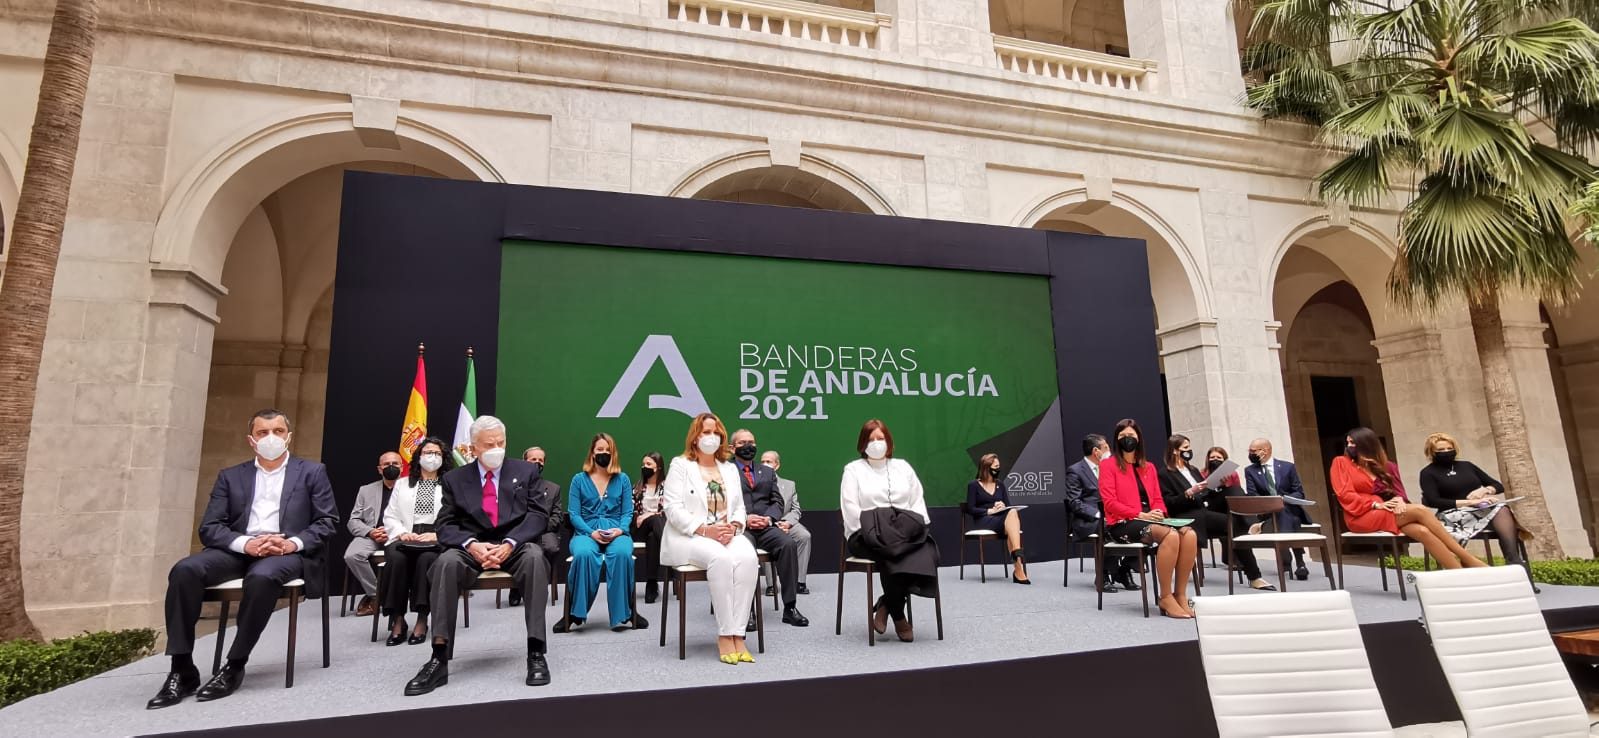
x,y
490,518
1083,508
763,509
1266,475
553,541
265,522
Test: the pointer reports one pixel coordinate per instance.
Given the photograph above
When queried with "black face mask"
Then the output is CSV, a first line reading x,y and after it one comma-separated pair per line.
x,y
997,473
1187,455
1213,465
745,452
391,472
1350,450
602,460
1443,457
1128,444
647,474
1254,459
538,467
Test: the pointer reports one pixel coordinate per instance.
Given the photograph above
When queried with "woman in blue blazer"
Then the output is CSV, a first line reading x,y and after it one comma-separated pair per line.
x,y
600,507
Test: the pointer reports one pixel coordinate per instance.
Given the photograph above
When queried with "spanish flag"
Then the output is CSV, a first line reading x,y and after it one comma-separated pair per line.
x,y
416,412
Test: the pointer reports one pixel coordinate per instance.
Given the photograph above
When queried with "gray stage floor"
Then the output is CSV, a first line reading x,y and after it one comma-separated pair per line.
x,y
982,622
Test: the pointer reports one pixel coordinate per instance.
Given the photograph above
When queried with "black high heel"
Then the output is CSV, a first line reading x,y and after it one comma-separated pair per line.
x,y
1016,557
396,639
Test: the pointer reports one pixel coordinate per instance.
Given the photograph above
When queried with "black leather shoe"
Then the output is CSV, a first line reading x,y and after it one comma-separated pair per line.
x,y
1301,573
793,616
221,685
652,592
514,599
179,684
802,589
749,625
538,670
1125,581
770,590
568,624
434,674
637,622
396,637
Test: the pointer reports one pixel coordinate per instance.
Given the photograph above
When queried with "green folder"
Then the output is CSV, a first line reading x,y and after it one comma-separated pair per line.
x,y
1174,522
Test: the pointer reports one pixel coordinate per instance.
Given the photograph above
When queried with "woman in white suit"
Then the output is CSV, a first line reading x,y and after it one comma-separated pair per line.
x,y
413,547
704,506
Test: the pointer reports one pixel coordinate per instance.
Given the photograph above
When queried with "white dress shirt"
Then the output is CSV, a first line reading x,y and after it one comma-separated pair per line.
x,y
868,485
266,506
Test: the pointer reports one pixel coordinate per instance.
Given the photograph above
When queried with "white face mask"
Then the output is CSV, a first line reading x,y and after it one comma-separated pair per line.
x,y
709,443
432,462
270,446
876,450
492,458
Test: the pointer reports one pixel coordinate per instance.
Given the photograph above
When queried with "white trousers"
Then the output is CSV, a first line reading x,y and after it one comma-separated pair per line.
x,y
732,571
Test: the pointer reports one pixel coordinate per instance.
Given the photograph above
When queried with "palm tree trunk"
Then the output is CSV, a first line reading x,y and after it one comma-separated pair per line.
x,y
1509,427
30,277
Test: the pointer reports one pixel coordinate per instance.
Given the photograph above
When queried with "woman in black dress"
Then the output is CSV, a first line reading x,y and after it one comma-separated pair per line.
x,y
1468,501
989,508
648,520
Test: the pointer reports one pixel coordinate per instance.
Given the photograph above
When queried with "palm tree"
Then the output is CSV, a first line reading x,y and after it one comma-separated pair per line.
x,y
30,276
1471,114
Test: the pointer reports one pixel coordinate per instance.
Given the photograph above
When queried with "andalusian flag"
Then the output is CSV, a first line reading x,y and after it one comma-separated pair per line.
x,y
416,412
463,419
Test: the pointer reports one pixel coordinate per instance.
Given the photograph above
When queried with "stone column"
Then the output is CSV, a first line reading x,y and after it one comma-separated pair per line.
x,y
1580,364
1529,358
1195,43
1190,357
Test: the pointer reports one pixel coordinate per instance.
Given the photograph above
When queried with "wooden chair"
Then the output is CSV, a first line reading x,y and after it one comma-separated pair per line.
x,y
1249,508
496,581
981,537
347,598
681,576
232,591
1072,544
847,563
1395,543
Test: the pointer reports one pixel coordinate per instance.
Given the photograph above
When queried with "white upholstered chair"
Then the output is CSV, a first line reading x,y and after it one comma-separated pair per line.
x,y
1288,664
1496,652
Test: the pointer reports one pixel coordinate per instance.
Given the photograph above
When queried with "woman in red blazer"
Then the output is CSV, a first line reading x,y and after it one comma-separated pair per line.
x,y
1130,489
1373,499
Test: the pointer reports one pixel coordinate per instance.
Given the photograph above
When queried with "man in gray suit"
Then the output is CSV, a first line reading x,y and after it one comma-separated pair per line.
x,y
366,524
790,521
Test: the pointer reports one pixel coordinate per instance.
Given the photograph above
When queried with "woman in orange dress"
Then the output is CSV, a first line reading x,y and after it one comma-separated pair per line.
x,y
1373,499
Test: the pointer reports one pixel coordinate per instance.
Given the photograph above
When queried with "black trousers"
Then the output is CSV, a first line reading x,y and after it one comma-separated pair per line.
x,y
405,579
896,587
650,533
456,570
263,585
785,559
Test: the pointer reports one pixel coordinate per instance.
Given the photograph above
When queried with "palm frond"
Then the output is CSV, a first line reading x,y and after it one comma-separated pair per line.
x,y
1460,138
1539,52
1363,177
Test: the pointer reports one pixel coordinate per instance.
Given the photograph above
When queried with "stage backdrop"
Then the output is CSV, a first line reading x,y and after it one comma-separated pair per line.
x,y
635,343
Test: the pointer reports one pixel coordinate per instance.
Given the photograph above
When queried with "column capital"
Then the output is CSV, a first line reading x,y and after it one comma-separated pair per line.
x,y
1407,344
1193,334
1526,336
186,289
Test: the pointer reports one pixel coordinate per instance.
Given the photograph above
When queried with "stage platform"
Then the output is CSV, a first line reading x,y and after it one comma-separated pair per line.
x,y
1043,648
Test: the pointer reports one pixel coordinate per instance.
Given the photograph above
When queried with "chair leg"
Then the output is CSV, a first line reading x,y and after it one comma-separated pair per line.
x,y
344,592
327,659
294,628
497,598
871,633
938,612
1338,549
1384,569
1399,572
1099,571
982,563
682,617
760,620
1282,581
1143,581
1488,550
466,609
838,623
1326,564
964,542
222,630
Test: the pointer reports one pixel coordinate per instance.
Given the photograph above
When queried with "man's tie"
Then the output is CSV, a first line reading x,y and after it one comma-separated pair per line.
x,y
748,477
491,499
1271,479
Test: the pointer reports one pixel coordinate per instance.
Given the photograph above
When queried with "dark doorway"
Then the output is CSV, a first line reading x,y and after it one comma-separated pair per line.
x,y
1337,411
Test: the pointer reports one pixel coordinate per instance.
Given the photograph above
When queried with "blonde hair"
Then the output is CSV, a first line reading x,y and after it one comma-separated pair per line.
x,y
1433,440
616,456
691,444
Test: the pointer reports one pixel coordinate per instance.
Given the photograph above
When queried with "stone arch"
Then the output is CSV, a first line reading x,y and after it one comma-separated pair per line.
x,y
205,210
835,186
10,190
1363,255
1181,295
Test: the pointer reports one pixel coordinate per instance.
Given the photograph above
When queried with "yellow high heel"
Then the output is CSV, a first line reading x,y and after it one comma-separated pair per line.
x,y
745,657
731,659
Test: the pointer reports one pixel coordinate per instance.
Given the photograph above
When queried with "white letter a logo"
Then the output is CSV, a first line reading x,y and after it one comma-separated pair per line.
x,y
688,400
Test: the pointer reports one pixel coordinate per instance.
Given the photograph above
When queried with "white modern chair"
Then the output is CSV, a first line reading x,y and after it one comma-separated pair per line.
x,y
1288,664
1496,652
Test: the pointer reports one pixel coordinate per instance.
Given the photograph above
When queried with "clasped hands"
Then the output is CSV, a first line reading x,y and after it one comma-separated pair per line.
x,y
1154,515
269,544
604,537
418,537
1394,505
489,555
721,532
757,522
1482,494
998,506
379,535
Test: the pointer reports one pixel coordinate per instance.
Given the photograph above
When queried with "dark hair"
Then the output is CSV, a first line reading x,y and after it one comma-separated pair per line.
x,y
1173,443
1138,453
660,471
1091,442
986,465
416,458
1216,450
1369,454
268,414
866,437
